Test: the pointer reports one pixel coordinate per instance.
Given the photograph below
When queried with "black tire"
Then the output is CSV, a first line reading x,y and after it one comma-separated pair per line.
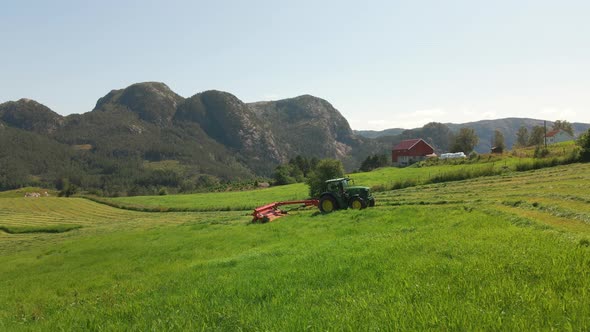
x,y
327,204
357,203
371,202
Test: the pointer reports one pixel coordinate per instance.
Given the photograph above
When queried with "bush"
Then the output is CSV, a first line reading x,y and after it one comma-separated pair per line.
x,y
326,169
404,183
541,152
373,162
584,143
287,174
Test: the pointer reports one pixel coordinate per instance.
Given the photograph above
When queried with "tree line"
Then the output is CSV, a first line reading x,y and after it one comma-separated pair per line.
x,y
536,136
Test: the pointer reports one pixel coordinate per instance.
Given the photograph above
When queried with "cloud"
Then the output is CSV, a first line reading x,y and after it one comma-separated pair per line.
x,y
469,115
558,113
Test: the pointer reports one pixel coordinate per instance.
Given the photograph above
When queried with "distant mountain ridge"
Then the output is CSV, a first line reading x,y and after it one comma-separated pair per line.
x,y
483,128
379,133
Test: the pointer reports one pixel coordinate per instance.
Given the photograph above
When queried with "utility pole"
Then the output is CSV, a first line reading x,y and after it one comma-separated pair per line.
x,y
545,133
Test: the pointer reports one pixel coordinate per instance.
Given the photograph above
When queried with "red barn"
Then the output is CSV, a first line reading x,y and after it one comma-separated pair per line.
x,y
410,151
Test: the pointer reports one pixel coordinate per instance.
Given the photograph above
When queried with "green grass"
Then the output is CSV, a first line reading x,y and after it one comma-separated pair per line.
x,y
507,252
218,201
383,179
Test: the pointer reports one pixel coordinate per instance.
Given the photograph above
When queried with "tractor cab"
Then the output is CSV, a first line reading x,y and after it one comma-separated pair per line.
x,y
342,194
337,186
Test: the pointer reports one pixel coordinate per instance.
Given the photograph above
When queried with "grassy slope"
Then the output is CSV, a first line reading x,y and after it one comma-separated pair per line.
x,y
494,253
218,201
383,178
246,200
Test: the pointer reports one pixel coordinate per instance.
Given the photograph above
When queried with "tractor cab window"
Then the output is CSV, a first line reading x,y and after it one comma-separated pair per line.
x,y
332,187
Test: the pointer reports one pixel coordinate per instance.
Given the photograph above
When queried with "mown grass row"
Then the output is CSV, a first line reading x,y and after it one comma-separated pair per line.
x,y
38,229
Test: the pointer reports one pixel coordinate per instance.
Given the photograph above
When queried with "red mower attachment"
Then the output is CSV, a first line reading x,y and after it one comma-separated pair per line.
x,y
271,211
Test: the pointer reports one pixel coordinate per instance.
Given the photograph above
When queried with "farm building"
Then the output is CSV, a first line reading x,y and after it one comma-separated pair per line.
x,y
557,136
410,151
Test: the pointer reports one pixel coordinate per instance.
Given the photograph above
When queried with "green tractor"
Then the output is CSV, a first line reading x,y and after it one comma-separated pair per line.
x,y
340,194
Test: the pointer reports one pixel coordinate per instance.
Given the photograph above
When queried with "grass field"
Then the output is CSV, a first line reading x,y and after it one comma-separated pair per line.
x,y
383,179
508,252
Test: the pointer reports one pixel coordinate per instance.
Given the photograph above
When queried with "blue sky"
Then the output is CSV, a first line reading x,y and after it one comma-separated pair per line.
x,y
383,64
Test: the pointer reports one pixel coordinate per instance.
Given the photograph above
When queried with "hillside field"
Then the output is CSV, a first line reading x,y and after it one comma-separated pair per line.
x,y
503,252
380,179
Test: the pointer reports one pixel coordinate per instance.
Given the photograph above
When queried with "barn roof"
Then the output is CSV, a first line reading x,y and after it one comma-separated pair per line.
x,y
552,133
408,144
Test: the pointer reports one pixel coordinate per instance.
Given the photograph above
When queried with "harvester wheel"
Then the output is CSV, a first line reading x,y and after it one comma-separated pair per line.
x,y
357,203
327,204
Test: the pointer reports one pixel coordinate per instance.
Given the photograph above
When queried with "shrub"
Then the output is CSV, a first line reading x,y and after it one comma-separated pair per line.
x,y
287,174
404,183
584,143
541,152
326,169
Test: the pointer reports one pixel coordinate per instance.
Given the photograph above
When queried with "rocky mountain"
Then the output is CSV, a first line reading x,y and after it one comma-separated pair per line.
x,y
147,136
310,126
153,102
29,115
232,123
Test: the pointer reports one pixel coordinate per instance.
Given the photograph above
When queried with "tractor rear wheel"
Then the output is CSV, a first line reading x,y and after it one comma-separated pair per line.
x,y
327,204
357,203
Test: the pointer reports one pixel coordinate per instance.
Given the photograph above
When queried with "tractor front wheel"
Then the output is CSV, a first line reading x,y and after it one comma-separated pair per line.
x,y
357,203
371,202
327,204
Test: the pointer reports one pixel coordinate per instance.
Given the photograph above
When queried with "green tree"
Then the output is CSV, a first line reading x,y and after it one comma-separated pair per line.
x,y
584,143
499,141
287,174
537,136
65,187
522,136
302,163
465,140
382,160
326,169
564,125
437,134
374,161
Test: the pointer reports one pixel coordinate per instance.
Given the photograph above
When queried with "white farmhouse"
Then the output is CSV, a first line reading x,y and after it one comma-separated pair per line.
x,y
556,136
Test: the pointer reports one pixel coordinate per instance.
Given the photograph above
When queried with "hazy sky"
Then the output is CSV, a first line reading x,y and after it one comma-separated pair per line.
x,y
383,64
